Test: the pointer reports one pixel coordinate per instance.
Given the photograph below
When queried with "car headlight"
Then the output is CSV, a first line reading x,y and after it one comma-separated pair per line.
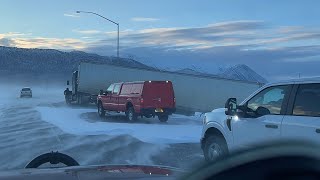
x,y
204,120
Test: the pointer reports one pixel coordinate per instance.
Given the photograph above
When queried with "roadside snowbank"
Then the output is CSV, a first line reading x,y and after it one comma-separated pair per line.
x,y
69,121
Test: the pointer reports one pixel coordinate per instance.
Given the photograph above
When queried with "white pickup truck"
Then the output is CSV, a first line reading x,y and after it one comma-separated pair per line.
x,y
288,110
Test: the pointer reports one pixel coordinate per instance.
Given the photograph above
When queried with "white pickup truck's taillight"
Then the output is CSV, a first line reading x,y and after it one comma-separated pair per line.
x,y
141,100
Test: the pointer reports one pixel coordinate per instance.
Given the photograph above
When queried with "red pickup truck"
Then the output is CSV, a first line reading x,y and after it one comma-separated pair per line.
x,y
148,99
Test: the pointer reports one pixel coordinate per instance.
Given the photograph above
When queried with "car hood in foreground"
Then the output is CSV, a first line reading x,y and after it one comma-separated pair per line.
x,y
95,172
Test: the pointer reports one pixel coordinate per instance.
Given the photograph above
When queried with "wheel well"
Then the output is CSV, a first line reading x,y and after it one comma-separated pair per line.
x,y
213,131
129,104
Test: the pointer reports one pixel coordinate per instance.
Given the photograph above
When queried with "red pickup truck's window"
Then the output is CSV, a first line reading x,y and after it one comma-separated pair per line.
x,y
110,88
116,89
126,89
136,88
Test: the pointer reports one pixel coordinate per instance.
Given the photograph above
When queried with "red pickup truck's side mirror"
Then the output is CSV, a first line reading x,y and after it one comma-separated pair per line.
x,y
101,92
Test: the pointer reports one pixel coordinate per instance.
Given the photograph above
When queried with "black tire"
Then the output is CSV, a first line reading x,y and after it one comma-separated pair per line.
x,y
215,147
67,100
101,110
163,118
148,116
80,100
131,114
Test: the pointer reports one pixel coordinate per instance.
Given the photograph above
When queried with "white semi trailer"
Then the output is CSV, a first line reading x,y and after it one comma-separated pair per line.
x,y
193,92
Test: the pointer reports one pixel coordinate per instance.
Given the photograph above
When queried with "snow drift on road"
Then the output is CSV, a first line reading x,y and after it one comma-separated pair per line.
x,y
69,120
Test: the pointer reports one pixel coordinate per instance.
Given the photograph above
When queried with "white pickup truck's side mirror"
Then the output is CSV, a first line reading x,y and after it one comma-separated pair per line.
x,y
231,107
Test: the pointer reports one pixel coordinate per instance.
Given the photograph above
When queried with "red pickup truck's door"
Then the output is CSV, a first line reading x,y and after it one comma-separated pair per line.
x,y
106,99
124,95
115,98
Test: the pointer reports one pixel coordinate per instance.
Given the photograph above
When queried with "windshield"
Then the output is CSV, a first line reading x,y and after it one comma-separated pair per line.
x,y
26,89
79,57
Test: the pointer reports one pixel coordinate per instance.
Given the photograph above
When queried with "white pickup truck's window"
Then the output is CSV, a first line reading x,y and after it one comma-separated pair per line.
x,y
270,98
307,101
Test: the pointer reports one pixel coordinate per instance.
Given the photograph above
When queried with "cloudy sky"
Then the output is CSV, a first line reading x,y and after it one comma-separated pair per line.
x,y
278,39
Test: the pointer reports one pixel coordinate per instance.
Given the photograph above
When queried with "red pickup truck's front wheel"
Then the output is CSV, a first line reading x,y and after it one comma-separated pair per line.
x,y
101,111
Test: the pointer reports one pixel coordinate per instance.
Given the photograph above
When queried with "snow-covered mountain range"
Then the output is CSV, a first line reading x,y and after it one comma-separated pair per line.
x,y
237,72
242,72
43,61
19,60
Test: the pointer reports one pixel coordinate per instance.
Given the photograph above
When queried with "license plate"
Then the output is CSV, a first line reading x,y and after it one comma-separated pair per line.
x,y
159,110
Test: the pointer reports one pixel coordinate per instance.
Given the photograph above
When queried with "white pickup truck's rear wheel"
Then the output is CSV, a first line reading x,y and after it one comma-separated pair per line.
x,y
101,111
215,147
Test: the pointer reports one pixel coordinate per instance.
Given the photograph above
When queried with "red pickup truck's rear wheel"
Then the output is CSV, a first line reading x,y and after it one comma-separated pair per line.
x,y
163,118
131,115
101,111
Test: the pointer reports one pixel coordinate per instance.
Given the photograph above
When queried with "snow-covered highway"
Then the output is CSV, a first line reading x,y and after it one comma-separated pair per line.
x,y
30,127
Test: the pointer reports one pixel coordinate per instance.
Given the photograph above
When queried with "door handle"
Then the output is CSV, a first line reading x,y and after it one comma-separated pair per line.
x,y
272,126
318,131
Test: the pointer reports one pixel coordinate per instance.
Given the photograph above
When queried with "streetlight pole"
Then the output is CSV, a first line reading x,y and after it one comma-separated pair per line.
x,y
118,40
118,25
